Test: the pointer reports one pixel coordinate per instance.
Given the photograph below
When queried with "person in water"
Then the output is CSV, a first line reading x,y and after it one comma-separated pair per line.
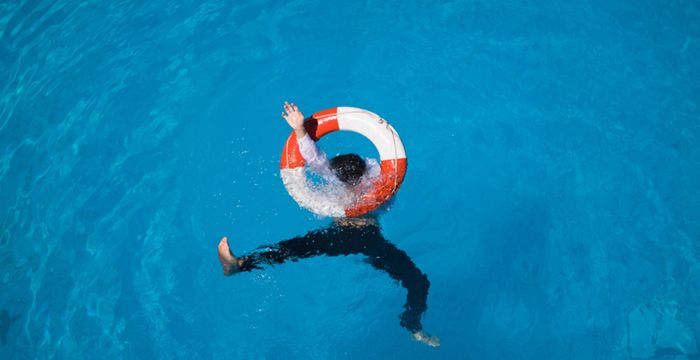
x,y
345,236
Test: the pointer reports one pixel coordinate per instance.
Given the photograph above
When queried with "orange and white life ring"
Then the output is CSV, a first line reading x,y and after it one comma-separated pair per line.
x,y
367,123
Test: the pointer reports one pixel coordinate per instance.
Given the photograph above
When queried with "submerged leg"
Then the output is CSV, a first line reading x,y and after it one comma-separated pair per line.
x,y
395,262
329,242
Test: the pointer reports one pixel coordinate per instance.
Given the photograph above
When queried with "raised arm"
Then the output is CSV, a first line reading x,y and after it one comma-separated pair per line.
x,y
315,159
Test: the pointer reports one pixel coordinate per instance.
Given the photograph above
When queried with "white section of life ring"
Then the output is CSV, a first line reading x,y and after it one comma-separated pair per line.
x,y
373,127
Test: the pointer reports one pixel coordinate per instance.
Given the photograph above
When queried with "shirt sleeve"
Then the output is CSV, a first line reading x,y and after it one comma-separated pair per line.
x,y
315,159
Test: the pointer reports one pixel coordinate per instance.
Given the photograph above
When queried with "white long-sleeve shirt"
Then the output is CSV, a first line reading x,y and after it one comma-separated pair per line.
x,y
318,163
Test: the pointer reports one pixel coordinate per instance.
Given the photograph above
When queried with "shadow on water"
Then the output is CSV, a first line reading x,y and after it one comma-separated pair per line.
x,y
5,322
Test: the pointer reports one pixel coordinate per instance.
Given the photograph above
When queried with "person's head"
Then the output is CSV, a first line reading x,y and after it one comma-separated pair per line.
x,y
349,168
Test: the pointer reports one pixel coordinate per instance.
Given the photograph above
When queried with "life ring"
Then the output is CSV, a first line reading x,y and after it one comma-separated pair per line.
x,y
374,128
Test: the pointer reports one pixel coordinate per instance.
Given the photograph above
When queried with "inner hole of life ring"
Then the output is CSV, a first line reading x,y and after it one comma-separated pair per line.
x,y
344,142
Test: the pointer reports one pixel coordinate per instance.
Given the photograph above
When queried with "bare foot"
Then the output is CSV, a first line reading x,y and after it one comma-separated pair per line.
x,y
228,261
426,339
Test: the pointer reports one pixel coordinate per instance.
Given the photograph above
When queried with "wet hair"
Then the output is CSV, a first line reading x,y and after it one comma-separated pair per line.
x,y
349,168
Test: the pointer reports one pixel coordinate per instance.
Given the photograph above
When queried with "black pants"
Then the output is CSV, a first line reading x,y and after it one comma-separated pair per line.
x,y
345,240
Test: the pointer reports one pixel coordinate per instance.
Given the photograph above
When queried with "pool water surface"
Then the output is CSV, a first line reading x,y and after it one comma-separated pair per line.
x,y
552,192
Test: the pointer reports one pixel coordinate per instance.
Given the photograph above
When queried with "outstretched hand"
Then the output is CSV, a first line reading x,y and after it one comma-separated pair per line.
x,y
294,118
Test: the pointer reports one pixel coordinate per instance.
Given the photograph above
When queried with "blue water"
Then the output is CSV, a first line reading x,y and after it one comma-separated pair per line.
x,y
552,194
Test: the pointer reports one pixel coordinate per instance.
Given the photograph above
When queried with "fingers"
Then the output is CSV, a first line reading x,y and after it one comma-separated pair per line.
x,y
292,115
290,108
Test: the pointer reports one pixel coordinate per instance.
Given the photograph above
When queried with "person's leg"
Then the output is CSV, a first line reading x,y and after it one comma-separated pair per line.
x,y
385,256
347,240
331,242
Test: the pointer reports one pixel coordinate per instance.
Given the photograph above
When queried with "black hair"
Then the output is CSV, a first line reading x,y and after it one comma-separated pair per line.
x,y
349,168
